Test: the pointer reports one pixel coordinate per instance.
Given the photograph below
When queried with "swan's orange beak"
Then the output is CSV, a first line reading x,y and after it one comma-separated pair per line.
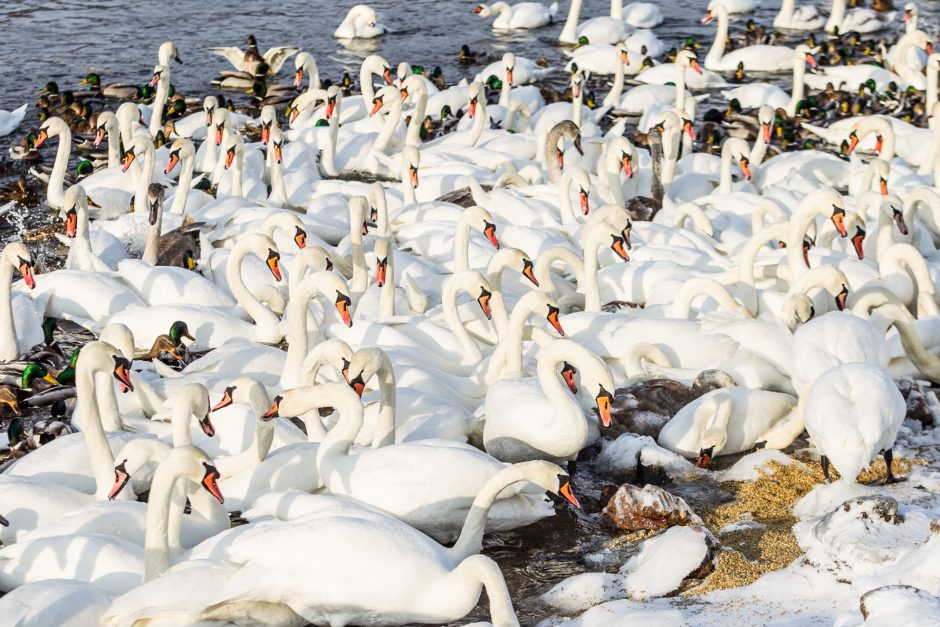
x,y
509,76
928,48
693,63
565,491
300,238
206,425
479,9
41,138
155,80
229,157
689,129
387,75
121,477
857,241
841,297
810,60
568,373
838,219
745,168
26,269
899,220
484,300
560,156
99,135
627,164
704,457
618,247
122,372
174,159
278,155
376,106
765,132
603,400
879,144
71,223
274,264
853,142
129,157
489,229
226,399
274,410
528,271
218,134
330,107
404,94
708,18
883,187
298,78
294,113
381,267
585,204
413,174
343,303
471,108
358,385
906,16
209,482
806,246
552,318
624,57
265,134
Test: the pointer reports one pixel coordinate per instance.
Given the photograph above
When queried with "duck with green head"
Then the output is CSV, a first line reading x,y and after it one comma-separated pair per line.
x,y
37,378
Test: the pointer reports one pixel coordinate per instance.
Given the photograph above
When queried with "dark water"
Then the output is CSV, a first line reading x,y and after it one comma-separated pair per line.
x,y
64,40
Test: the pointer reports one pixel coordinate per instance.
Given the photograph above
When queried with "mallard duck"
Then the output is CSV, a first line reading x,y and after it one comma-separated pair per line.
x,y
178,331
264,94
120,91
66,376
468,57
248,60
47,430
17,438
163,346
36,378
20,192
25,149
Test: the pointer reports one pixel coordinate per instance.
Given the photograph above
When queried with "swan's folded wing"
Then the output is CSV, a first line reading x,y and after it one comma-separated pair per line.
x,y
234,55
275,57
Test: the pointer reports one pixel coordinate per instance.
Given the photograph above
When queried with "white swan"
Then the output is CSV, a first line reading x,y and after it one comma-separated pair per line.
x,y
759,57
520,16
10,120
554,426
361,22
859,20
598,30
731,420
16,257
806,17
755,95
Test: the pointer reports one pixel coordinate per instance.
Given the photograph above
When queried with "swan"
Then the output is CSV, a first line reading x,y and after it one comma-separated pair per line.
x,y
118,565
555,426
184,198
756,58
305,63
598,30
364,152
161,79
853,412
452,473
637,14
755,95
10,120
858,20
361,22
805,17
731,420
15,257
211,326
447,581
520,16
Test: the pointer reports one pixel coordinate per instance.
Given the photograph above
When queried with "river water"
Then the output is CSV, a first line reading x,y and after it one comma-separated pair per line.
x,y
64,40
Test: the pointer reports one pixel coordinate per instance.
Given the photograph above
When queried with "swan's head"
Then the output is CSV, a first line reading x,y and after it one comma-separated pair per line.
x,y
159,72
298,401
155,196
364,364
242,390
303,62
481,220
276,139
134,456
719,407
378,65
797,310
509,65
547,476
381,252
472,283
765,117
474,93
540,302
804,54
50,128
168,51
412,84
75,201
17,255
235,148
180,149
209,105
410,161
688,58
716,10
623,54
196,397
220,122
385,96
268,120
142,145
105,122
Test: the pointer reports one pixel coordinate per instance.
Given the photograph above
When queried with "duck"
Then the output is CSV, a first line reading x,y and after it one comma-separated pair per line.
x,y
247,60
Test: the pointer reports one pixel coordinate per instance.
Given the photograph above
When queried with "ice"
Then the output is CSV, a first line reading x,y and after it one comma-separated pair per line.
x,y
664,561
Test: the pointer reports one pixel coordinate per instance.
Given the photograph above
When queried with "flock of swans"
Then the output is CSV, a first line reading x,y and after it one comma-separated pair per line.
x,y
452,334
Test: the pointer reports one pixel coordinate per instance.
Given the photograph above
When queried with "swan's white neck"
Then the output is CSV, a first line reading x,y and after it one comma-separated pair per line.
x,y
183,184
56,188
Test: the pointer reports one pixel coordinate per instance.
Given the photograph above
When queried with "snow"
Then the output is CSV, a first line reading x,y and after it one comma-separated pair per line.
x,y
891,606
664,561
750,467
620,456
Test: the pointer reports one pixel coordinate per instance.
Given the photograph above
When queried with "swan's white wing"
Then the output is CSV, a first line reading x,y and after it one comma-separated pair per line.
x,y
235,56
275,57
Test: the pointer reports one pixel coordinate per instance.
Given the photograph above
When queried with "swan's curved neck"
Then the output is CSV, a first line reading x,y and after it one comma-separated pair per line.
x,y
388,127
543,266
56,189
152,248
384,434
335,445
469,349
264,318
799,73
299,332
183,184
717,51
102,459
569,34
145,177
387,295
114,143
159,101
8,345
479,122
413,136
461,586
328,153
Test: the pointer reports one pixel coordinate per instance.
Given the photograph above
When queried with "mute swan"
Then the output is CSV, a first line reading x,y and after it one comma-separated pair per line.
x,y
754,95
806,17
15,256
213,327
360,22
731,420
520,16
755,58
853,412
116,564
598,30
10,120
858,20
554,425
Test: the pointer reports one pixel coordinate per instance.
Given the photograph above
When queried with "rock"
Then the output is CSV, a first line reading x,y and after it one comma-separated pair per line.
x,y
639,509
665,561
900,605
